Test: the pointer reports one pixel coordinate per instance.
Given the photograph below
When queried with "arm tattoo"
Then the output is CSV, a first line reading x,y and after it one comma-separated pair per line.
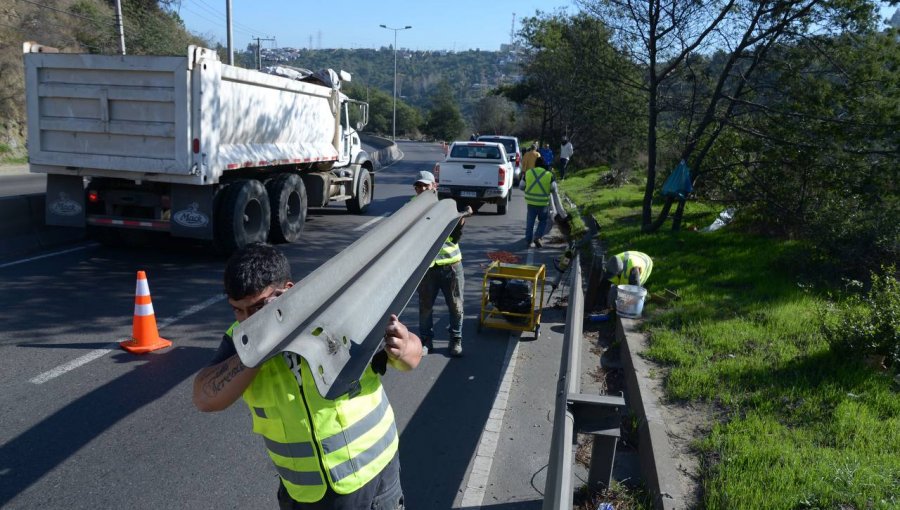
x,y
222,376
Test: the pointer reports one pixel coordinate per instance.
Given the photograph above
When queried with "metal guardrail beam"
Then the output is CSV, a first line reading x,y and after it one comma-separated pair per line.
x,y
558,487
335,317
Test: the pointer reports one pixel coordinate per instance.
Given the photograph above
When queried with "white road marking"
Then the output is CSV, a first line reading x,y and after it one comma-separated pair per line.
x,y
370,222
99,353
473,492
476,484
31,259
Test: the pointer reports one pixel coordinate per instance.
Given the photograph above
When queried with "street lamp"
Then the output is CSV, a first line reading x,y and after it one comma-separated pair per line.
x,y
394,124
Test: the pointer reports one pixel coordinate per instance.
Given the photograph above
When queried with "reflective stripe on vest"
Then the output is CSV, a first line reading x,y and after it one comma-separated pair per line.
x,y
353,439
540,197
630,260
449,254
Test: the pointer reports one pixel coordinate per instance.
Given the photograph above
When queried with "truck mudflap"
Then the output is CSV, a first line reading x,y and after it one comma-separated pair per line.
x,y
65,201
192,211
335,317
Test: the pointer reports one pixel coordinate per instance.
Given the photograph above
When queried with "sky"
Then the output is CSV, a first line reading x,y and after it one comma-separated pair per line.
x,y
457,25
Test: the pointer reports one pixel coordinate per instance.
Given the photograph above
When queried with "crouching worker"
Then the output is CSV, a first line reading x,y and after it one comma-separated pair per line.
x,y
626,268
329,454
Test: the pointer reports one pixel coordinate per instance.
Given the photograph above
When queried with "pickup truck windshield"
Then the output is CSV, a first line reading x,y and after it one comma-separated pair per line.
x,y
475,152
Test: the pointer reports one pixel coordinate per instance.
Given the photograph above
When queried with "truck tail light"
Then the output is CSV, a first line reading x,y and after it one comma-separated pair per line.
x,y
93,197
501,176
518,159
196,145
437,172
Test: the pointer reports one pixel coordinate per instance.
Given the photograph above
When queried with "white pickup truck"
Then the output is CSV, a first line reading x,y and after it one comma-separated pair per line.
x,y
476,173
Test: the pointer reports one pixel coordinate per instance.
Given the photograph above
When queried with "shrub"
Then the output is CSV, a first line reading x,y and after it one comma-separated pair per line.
x,y
868,323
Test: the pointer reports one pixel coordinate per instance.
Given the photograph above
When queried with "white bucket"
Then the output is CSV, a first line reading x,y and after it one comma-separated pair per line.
x,y
630,300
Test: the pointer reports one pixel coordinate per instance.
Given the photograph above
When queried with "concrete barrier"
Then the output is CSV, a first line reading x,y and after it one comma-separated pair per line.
x,y
22,228
387,151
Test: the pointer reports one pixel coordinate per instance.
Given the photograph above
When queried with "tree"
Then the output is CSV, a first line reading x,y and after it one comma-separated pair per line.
x,y
444,121
660,36
495,115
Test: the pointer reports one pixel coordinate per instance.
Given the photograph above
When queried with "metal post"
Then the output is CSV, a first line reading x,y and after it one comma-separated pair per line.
x,y
259,50
394,122
230,34
120,26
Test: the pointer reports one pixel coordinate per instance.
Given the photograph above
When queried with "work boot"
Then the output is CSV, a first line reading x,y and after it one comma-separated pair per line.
x,y
427,346
537,243
456,347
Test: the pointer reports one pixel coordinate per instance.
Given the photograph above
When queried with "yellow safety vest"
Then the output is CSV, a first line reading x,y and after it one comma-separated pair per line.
x,y
632,259
310,439
449,254
537,187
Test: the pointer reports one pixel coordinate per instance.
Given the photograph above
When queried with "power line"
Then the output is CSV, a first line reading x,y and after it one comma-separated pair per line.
x,y
216,21
223,16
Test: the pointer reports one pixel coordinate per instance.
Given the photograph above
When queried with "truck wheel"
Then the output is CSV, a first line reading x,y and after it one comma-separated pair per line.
x,y
503,203
359,204
244,215
287,196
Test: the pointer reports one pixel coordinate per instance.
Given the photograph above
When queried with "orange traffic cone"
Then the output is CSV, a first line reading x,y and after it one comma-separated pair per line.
x,y
144,335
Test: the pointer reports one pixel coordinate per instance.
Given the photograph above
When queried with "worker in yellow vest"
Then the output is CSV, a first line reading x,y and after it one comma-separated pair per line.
x,y
329,454
626,268
445,275
539,183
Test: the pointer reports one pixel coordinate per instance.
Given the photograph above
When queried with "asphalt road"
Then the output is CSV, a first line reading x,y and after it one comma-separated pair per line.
x,y
87,425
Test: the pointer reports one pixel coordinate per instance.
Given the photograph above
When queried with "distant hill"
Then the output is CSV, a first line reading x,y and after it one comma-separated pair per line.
x,y
471,74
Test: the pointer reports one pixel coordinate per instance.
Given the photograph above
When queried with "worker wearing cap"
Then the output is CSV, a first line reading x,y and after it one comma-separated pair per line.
x,y
626,268
444,275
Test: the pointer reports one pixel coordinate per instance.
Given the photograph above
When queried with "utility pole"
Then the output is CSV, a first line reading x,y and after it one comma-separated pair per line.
x,y
259,52
394,123
230,35
120,26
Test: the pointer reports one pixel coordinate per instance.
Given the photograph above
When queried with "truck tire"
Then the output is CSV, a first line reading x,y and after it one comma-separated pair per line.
x,y
503,203
359,204
287,196
244,215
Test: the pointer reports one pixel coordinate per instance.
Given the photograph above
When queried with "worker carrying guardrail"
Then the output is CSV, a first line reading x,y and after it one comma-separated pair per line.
x,y
336,453
445,275
626,268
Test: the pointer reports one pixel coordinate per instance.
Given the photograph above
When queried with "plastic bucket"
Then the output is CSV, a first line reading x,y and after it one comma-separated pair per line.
x,y
630,300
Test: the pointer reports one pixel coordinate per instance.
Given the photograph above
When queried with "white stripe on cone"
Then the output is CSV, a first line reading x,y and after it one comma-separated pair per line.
x,y
143,310
142,288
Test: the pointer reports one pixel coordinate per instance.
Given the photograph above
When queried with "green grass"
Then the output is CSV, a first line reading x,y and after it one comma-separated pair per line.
x,y
9,157
799,425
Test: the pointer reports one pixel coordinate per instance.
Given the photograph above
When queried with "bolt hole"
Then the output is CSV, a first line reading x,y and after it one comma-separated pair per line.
x,y
279,315
245,339
317,331
321,370
345,340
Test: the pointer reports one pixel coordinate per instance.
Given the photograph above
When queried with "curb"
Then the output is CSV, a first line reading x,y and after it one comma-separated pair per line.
x,y
387,153
657,463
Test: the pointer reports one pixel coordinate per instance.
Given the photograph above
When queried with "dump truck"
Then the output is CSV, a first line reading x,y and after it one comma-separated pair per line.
x,y
191,146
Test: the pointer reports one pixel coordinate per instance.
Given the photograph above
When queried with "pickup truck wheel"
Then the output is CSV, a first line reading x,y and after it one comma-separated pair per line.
x,y
359,204
503,203
244,215
287,196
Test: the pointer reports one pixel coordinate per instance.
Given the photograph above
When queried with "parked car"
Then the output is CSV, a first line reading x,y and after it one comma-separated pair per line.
x,y
511,144
476,173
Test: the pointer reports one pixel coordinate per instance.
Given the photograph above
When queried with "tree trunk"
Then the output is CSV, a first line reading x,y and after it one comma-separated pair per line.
x,y
679,213
663,215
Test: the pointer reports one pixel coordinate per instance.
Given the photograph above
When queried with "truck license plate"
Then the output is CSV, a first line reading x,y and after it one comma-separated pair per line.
x,y
468,194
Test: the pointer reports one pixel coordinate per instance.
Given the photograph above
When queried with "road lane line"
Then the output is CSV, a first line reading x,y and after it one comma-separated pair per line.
x,y
99,353
477,482
39,257
370,222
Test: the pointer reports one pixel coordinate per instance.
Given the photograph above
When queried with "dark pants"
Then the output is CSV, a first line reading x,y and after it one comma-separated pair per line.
x,y
449,280
563,164
382,493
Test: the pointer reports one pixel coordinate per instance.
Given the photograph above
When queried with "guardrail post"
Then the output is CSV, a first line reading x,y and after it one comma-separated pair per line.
x,y
598,415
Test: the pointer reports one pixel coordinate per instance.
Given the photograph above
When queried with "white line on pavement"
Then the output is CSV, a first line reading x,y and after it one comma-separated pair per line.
x,y
99,353
370,222
473,495
477,482
70,250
